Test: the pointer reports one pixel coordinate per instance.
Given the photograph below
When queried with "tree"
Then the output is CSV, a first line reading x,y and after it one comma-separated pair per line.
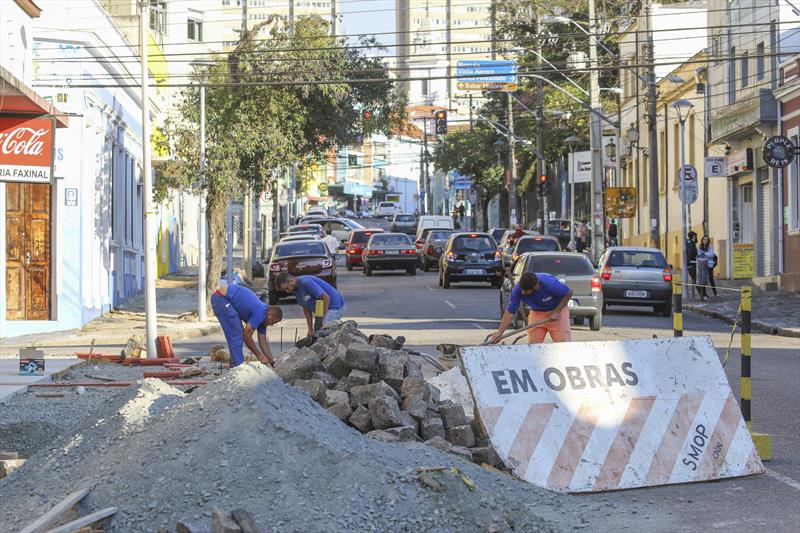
x,y
470,153
272,103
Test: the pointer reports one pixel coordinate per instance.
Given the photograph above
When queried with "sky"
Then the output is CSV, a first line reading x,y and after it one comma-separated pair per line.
x,y
369,16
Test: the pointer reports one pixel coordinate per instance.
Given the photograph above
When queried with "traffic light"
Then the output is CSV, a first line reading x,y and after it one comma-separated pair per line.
x,y
441,122
367,114
541,185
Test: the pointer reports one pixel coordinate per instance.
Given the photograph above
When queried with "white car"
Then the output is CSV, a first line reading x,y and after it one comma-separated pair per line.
x,y
387,210
317,210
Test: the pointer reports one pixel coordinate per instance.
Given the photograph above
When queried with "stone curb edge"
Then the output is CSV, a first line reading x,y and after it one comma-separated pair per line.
x,y
175,333
758,326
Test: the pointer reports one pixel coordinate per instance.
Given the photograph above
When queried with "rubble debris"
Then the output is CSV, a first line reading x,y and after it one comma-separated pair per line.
x,y
7,466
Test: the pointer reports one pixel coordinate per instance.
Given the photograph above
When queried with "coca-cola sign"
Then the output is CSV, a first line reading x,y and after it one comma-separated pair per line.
x,y
26,149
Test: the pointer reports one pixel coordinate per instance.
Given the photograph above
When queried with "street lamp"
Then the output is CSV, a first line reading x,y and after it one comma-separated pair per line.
x,y
633,135
682,108
572,142
201,68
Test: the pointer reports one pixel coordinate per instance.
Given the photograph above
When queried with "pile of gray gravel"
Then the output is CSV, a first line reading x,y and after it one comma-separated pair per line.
x,y
252,442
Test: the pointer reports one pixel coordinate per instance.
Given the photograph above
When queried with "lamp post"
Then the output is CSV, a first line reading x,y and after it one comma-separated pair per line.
x,y
682,108
572,142
201,67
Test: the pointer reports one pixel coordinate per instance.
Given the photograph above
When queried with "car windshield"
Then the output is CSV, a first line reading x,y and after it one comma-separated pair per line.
x,y
636,258
386,204
498,233
439,235
301,248
360,237
477,243
404,218
351,224
565,265
558,225
305,228
391,240
537,245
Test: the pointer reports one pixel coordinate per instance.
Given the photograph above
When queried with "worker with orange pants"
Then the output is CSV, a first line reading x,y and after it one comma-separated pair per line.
x,y
548,298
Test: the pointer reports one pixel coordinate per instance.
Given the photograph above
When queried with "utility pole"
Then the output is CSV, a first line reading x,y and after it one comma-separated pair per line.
x,y
512,188
151,327
652,178
540,163
428,205
201,260
596,138
247,201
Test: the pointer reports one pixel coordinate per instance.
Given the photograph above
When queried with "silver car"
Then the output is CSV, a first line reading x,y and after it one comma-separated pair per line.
x,y
573,269
636,276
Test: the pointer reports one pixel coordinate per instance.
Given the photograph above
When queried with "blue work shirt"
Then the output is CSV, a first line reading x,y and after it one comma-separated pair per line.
x,y
309,289
249,307
545,298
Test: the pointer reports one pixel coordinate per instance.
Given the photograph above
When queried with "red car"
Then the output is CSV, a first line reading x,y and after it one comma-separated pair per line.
x,y
355,246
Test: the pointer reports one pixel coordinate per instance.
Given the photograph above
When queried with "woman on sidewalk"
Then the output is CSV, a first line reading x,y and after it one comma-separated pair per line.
x,y
706,261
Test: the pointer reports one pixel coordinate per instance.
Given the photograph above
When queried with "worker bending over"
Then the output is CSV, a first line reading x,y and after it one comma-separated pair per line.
x,y
548,298
233,305
309,289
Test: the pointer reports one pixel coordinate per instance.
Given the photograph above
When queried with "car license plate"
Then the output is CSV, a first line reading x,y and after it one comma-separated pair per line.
x,y
392,252
636,294
572,303
474,271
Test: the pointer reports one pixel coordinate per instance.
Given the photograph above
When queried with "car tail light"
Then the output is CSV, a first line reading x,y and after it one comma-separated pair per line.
x,y
450,256
408,252
596,284
327,263
274,267
606,273
513,257
375,252
667,274
418,244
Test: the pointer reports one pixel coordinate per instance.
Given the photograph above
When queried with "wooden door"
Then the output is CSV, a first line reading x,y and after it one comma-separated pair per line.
x,y
27,251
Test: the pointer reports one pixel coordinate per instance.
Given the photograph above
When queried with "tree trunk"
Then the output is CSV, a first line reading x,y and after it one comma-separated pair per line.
x,y
216,208
485,213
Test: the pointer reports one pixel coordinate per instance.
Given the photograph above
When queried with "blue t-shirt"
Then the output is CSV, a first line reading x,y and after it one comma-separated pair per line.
x,y
545,298
310,289
249,307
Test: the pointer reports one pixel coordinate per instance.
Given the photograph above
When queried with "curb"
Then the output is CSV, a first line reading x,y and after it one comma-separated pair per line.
x,y
759,326
86,341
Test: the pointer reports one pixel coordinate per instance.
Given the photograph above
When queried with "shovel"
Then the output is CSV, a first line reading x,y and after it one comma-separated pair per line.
x,y
452,349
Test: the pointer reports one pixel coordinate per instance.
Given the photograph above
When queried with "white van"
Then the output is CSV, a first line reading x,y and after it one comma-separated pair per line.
x,y
433,221
386,210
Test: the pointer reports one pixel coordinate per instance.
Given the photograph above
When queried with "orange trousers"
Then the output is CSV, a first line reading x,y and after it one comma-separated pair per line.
x,y
559,329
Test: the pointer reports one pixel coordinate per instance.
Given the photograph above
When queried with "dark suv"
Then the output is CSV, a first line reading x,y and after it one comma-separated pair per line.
x,y
470,257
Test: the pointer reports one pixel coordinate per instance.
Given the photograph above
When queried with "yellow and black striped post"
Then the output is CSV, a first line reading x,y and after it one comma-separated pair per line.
x,y
762,441
677,308
318,314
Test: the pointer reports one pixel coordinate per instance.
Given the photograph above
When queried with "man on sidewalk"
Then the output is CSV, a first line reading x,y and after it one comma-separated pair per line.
x,y
235,304
547,297
309,289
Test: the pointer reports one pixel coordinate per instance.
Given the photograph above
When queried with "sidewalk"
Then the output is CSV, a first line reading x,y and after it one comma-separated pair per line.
x,y
176,303
774,312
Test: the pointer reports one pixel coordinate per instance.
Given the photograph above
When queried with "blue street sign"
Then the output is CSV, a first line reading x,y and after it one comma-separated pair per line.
x,y
487,70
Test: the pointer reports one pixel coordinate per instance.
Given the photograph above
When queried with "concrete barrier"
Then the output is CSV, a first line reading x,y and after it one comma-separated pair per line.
x,y
595,416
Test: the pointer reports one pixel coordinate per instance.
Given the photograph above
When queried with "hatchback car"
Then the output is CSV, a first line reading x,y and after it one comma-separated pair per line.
x,y
314,229
560,230
573,269
386,210
529,243
300,258
470,257
355,246
389,251
636,276
338,227
404,223
431,248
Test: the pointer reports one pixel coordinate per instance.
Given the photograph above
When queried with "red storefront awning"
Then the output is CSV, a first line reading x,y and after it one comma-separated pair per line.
x,y
16,98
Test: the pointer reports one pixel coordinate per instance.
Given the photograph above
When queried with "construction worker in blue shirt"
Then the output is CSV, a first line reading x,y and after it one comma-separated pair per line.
x,y
309,289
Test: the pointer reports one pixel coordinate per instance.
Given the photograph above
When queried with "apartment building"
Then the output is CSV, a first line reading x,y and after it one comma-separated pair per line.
x,y
232,15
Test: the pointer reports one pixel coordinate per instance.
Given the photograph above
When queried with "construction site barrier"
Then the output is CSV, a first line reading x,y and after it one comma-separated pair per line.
x,y
596,416
319,312
677,308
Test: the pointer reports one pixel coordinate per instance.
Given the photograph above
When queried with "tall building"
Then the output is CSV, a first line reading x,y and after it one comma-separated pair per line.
x,y
432,36
234,14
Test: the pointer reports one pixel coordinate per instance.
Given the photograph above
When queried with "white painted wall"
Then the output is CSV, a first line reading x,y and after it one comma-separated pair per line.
x,y
16,41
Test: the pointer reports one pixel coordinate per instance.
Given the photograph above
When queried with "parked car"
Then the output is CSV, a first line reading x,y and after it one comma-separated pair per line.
x,y
431,249
311,219
470,257
573,269
354,248
389,251
404,223
339,227
300,258
299,237
529,243
497,233
433,221
386,210
636,276
317,210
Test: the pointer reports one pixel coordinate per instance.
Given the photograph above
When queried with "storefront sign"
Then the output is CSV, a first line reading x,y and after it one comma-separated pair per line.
x,y
26,149
743,261
778,151
580,166
740,161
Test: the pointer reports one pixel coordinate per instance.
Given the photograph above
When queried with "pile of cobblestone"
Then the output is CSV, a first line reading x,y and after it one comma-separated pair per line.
x,y
375,386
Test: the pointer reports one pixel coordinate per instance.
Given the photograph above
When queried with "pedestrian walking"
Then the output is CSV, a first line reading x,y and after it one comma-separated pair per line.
x,y
691,258
582,236
456,223
548,298
307,290
708,259
462,212
612,233
234,304
332,243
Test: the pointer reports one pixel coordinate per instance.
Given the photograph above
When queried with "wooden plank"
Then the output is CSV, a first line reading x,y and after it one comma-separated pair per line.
x,y
40,524
84,521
